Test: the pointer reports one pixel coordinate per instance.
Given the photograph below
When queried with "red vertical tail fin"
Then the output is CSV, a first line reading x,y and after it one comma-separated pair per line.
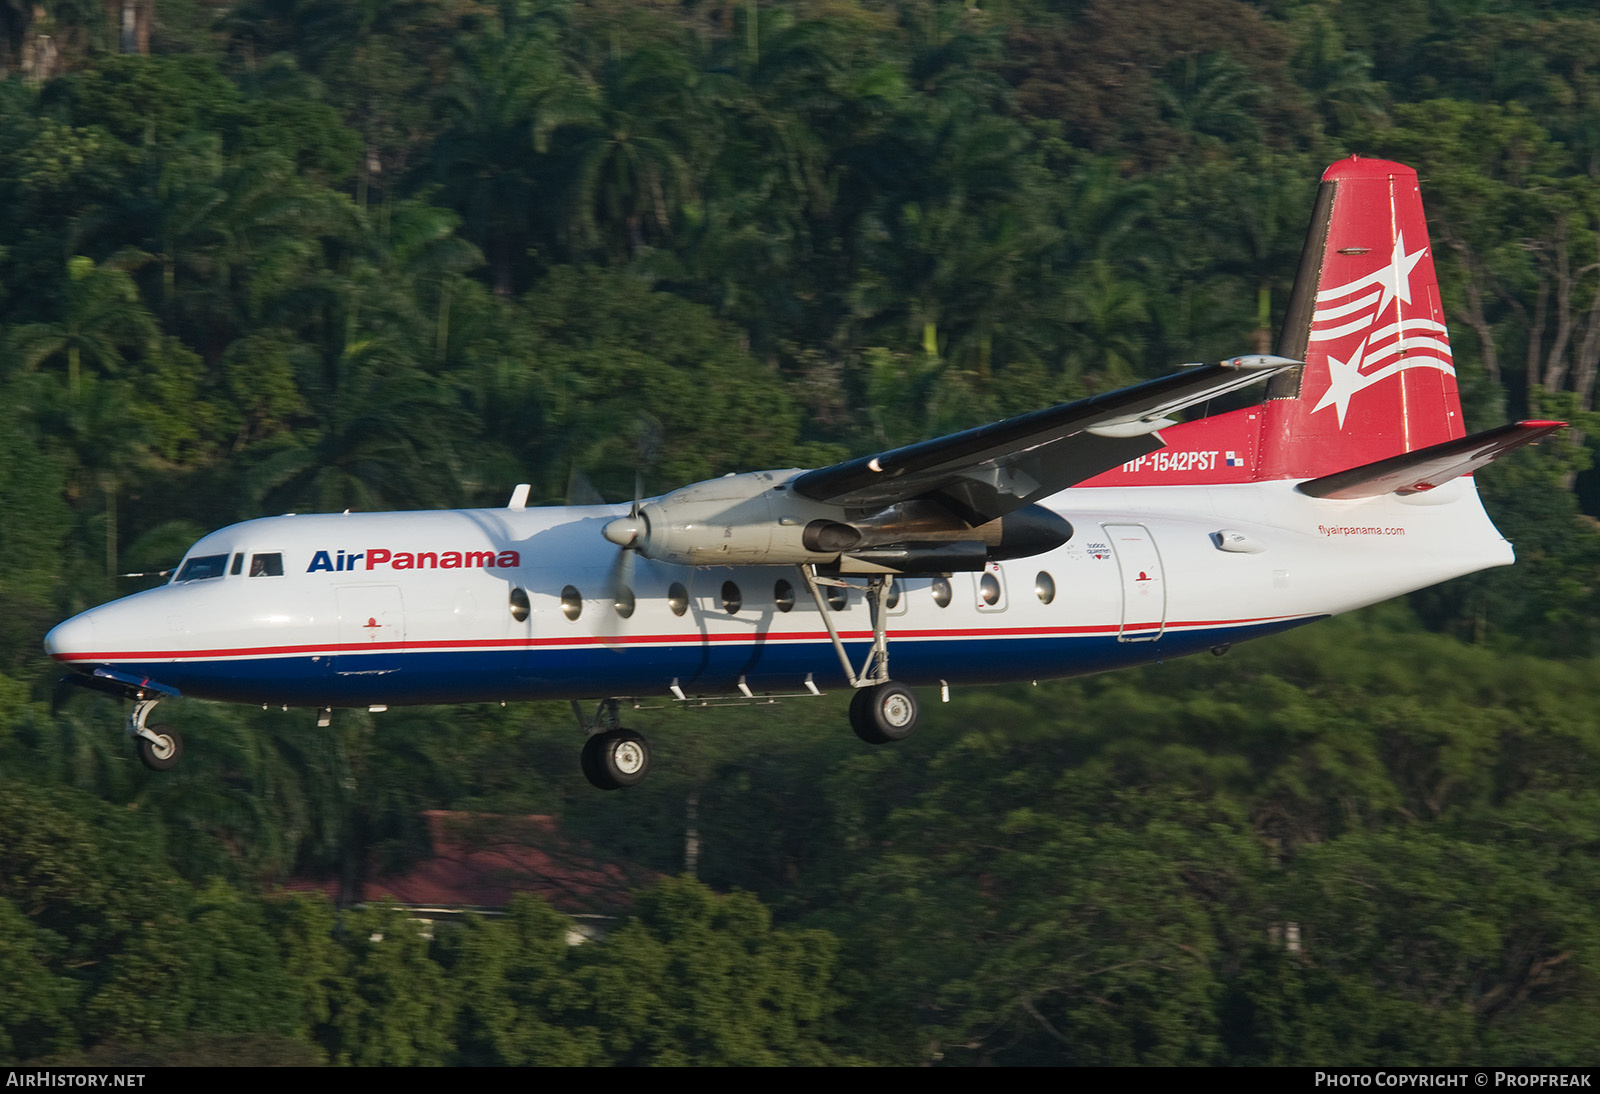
x,y
1366,319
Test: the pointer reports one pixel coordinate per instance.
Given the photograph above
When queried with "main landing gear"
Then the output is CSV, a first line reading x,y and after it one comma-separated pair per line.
x,y
613,757
882,713
160,747
881,710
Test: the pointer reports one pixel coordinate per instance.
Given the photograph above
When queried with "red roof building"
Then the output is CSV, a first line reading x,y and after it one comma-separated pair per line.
x,y
480,860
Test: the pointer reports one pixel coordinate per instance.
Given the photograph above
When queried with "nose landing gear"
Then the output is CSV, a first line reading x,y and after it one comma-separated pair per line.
x,y
160,747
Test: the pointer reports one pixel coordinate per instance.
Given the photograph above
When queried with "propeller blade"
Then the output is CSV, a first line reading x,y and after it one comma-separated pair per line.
x,y
580,491
619,588
619,583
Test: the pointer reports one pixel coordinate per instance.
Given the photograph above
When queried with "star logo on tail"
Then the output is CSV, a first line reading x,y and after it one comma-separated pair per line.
x,y
1372,309
1344,380
1396,276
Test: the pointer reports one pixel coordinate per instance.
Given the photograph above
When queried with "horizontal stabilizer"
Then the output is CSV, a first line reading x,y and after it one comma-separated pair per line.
x,y
1412,472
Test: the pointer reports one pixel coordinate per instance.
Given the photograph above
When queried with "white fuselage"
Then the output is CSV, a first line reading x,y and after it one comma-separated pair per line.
x,y
394,608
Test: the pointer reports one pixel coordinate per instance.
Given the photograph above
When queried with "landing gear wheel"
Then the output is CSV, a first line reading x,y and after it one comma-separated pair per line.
x,y
591,766
883,713
164,752
616,759
861,719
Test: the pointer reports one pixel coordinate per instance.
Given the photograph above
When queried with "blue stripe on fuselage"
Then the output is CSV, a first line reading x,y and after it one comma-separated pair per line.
x,y
465,676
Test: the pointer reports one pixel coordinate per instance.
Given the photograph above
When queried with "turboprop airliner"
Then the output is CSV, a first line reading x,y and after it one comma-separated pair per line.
x,y
1080,538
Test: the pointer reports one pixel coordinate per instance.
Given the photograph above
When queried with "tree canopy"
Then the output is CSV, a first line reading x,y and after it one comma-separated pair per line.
x,y
319,254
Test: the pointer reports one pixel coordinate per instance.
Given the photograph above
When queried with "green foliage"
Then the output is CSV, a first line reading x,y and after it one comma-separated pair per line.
x,y
333,254
110,945
144,100
394,1006
637,376
699,979
35,1013
523,1001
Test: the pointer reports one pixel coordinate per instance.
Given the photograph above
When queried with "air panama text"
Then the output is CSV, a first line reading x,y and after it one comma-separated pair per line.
x,y
375,557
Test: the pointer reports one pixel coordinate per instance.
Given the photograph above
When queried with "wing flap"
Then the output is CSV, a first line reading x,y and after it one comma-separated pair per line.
x,y
993,469
1413,472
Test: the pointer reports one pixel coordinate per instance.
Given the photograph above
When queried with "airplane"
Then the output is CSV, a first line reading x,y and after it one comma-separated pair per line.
x,y
1083,537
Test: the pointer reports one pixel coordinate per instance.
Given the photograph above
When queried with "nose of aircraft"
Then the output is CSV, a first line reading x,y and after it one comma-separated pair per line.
x,y
71,638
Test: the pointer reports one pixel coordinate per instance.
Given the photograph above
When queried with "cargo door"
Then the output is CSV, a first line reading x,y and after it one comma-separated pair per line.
x,y
1144,586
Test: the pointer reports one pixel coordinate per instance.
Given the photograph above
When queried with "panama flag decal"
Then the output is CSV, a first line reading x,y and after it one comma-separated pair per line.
x,y
1363,327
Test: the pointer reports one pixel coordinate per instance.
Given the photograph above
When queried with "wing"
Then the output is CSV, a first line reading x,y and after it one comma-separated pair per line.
x,y
989,471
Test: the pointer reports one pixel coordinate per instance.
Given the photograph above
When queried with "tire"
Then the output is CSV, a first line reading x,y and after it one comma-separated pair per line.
x,y
861,717
616,759
883,713
162,756
623,757
590,760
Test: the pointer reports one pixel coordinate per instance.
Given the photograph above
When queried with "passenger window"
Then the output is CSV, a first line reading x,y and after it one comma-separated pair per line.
x,y
731,600
203,568
989,590
267,565
941,592
1044,586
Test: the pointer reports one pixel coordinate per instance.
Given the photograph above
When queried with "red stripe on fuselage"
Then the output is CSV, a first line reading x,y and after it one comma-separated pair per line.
x,y
643,640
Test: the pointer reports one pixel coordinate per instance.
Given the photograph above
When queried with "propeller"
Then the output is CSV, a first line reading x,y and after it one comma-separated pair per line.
x,y
625,532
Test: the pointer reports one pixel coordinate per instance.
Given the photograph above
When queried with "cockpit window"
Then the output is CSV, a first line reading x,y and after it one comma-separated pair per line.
x,y
267,565
203,568
238,564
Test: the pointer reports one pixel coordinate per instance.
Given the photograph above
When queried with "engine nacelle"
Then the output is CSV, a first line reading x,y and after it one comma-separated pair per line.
x,y
755,520
737,520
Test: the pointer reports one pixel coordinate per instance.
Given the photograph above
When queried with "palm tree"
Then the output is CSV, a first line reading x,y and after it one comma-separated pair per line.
x,y
635,157
267,791
98,427
101,316
504,96
1210,101
382,436
766,197
425,258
